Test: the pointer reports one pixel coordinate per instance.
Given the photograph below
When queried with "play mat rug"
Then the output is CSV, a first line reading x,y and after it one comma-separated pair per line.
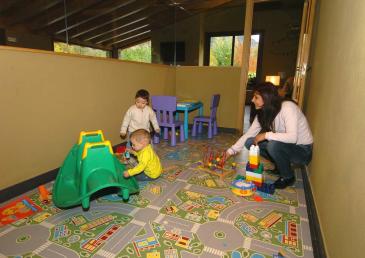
x,y
185,213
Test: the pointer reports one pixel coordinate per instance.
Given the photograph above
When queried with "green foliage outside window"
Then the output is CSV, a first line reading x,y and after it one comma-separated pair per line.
x,y
139,53
220,51
61,47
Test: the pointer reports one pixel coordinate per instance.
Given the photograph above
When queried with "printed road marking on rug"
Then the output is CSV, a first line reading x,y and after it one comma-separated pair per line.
x,y
306,247
187,187
138,222
292,209
195,228
181,180
225,221
304,219
247,243
47,224
58,254
213,251
159,218
134,211
106,254
11,228
42,247
153,207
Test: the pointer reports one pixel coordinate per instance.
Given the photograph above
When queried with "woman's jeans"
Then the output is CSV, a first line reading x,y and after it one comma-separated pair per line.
x,y
283,154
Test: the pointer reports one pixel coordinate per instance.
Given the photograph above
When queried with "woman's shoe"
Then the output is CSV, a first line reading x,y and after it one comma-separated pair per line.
x,y
282,183
272,171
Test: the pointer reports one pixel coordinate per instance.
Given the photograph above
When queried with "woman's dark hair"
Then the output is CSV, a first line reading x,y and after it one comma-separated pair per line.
x,y
143,94
271,107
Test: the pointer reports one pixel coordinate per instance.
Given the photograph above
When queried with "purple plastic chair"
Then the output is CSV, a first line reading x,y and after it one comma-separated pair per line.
x,y
165,106
211,120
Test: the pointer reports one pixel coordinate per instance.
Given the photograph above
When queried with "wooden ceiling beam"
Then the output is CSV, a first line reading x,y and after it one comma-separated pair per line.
x,y
82,43
103,22
168,17
58,15
122,23
142,36
101,33
202,5
75,22
33,9
126,33
9,6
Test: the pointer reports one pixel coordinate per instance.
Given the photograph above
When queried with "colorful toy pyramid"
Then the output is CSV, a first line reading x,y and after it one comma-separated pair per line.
x,y
254,168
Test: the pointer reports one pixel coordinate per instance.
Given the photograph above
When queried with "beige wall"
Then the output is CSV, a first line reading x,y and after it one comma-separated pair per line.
x,y
280,40
202,82
186,31
25,40
47,99
335,109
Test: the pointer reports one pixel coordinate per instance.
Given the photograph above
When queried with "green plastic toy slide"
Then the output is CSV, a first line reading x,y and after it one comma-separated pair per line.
x,y
89,167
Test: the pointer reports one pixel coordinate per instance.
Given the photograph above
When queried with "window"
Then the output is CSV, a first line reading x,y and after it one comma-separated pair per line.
x,y
220,51
227,51
139,53
61,47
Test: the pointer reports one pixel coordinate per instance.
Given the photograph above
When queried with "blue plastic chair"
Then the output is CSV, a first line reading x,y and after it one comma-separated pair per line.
x,y
211,120
165,106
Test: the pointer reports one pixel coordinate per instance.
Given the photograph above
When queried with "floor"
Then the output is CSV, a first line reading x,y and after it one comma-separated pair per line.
x,y
185,213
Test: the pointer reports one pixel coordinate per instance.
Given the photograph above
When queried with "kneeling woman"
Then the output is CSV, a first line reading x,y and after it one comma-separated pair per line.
x,y
281,131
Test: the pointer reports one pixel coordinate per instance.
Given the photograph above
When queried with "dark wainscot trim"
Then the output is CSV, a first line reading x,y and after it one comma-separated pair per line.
x,y
315,229
30,184
25,186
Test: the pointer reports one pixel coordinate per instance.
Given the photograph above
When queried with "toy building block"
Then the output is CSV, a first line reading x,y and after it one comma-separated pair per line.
x,y
120,149
253,168
43,194
254,156
242,187
266,188
255,175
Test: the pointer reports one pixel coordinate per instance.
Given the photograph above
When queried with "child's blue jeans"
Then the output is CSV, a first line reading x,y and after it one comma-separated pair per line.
x,y
143,177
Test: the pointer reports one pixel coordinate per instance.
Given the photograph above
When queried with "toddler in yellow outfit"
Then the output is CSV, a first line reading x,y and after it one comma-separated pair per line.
x,y
149,166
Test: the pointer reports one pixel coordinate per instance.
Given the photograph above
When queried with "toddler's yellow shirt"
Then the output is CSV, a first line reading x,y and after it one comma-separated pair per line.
x,y
148,162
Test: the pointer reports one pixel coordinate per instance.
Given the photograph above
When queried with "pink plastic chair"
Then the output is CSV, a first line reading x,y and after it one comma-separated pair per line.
x,y
211,120
165,106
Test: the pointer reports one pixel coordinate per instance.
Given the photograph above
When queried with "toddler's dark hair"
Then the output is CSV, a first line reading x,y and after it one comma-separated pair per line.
x,y
143,94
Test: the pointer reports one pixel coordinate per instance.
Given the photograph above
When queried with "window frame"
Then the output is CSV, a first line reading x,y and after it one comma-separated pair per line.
x,y
233,34
108,52
119,50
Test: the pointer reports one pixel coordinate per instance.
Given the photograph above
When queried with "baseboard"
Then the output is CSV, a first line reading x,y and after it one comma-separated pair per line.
x,y
315,228
30,184
227,130
220,129
25,186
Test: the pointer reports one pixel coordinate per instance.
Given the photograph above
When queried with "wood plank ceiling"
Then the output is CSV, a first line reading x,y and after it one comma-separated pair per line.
x,y
104,24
